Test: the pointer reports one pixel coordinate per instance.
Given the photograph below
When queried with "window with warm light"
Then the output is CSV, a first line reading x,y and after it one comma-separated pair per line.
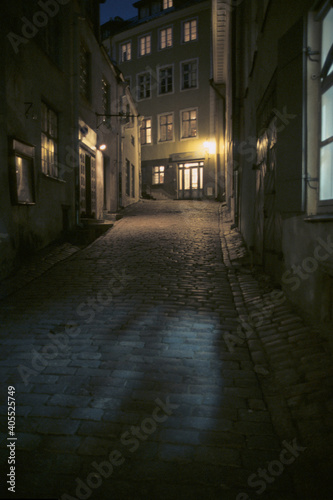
x,y
49,141
145,45
190,30
189,126
165,38
189,72
158,175
125,52
145,131
167,4
326,139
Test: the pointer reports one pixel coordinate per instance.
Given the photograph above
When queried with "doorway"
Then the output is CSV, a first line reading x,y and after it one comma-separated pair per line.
x,y
190,180
87,184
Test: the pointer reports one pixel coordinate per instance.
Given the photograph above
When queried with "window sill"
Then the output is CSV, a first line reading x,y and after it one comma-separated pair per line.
x,y
56,179
319,218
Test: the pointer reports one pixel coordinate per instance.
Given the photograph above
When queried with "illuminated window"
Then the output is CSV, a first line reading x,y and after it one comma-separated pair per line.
x,y
166,80
166,127
145,45
125,52
189,123
128,177
158,175
190,75
49,137
145,131
167,4
144,86
326,140
190,30
133,181
165,38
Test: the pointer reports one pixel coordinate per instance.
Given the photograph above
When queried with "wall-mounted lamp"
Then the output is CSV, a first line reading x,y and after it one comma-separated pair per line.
x,y
210,146
102,147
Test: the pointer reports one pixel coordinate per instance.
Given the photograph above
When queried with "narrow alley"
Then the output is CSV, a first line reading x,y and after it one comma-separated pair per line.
x,y
133,379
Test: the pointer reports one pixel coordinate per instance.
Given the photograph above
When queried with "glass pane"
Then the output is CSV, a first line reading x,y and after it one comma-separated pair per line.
x,y
327,115
180,179
187,179
326,172
201,178
327,38
194,178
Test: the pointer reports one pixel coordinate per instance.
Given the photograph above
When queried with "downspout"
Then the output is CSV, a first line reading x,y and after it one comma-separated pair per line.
x,y
75,93
304,119
223,100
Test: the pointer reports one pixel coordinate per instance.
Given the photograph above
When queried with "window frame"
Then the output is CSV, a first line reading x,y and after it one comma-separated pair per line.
x,y
138,86
325,84
85,84
50,138
144,37
164,7
160,173
170,113
162,68
182,138
190,20
147,128
121,45
106,95
182,63
165,28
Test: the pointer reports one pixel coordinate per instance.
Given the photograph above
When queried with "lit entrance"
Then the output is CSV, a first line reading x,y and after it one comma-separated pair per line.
x,y
190,177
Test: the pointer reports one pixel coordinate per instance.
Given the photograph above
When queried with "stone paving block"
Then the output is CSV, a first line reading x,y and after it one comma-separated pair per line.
x,y
58,426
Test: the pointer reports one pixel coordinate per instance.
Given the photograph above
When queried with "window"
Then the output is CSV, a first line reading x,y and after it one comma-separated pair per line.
x,y
166,127
165,38
144,85
166,80
22,178
85,73
145,132
128,177
167,4
189,123
326,140
158,175
49,146
105,96
190,30
189,72
125,52
145,45
133,181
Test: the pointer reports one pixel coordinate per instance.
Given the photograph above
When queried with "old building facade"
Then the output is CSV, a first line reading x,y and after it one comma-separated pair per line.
x,y
61,125
282,109
165,56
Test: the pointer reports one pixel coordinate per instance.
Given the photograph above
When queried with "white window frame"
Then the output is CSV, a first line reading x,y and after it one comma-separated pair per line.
x,y
326,85
138,86
121,53
165,28
166,141
151,131
144,37
196,30
181,124
161,68
196,60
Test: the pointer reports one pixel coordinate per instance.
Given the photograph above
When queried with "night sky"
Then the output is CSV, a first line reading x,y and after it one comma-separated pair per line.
x,y
121,8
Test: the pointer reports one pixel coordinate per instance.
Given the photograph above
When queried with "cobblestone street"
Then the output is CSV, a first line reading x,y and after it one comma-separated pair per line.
x,y
134,380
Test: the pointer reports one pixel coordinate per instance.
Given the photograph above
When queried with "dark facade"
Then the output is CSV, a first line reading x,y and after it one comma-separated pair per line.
x,y
282,109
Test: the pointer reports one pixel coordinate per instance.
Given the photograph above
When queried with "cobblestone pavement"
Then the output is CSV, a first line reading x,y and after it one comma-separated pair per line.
x,y
154,365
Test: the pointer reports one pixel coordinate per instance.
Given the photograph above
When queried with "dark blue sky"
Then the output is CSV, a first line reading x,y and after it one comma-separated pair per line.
x,y
121,8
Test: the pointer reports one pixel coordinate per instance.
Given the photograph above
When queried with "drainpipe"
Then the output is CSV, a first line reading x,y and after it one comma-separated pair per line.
x,y
218,163
75,117
304,119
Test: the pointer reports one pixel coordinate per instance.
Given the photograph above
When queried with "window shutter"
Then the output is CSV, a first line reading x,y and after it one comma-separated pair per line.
x,y
289,196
